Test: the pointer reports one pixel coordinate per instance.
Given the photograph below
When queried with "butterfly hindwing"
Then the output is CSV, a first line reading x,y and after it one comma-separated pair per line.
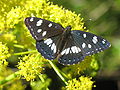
x,y
41,28
71,53
48,47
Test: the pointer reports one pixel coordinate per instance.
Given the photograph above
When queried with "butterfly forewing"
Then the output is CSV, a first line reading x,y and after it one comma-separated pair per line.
x,y
89,43
49,47
41,28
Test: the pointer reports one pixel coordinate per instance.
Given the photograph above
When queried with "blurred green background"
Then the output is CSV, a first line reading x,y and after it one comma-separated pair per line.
x,y
101,17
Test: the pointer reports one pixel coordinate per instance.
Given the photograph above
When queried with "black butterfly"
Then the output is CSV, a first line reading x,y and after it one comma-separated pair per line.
x,y
69,47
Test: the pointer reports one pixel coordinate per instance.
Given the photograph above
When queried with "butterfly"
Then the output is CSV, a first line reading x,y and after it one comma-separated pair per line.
x,y
68,46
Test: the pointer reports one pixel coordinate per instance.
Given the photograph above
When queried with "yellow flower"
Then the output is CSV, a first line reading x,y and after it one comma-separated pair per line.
x,y
76,69
30,66
83,83
46,10
10,13
8,38
14,17
4,54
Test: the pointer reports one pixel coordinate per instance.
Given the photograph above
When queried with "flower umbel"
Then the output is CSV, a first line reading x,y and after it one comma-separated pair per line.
x,y
30,66
83,83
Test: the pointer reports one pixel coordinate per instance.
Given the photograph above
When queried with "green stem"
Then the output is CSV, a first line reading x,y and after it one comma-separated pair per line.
x,y
22,53
64,75
9,78
42,79
19,46
58,73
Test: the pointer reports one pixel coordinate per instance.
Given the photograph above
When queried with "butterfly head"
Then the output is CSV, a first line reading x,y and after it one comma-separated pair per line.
x,y
68,28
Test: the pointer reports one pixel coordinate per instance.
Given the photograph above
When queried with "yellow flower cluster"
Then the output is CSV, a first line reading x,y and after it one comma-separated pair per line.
x,y
83,65
8,38
74,70
13,12
8,13
83,83
4,54
55,13
14,17
30,66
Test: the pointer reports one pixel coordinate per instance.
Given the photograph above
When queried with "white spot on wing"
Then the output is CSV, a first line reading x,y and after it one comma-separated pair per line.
x,y
53,47
39,30
50,45
69,60
79,50
92,51
63,52
39,23
67,50
83,45
76,50
89,46
84,35
73,49
103,41
48,41
95,40
56,26
50,25
88,53
31,19
44,33
32,29
54,50
29,26
35,36
70,51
